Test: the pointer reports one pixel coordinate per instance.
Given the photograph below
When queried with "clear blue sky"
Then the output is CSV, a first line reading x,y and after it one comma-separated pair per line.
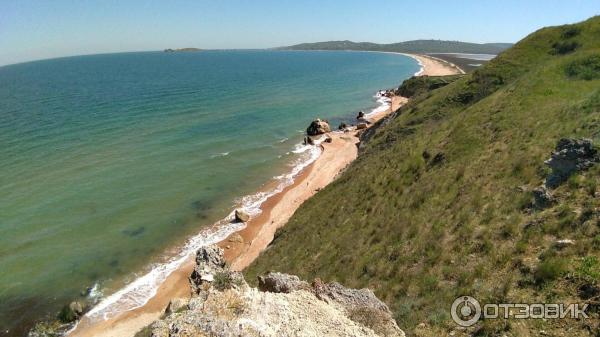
x,y
32,30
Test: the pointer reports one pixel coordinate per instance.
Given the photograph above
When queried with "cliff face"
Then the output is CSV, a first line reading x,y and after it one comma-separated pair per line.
x,y
224,305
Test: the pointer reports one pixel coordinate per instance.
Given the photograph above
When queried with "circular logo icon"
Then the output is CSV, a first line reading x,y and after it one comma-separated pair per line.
x,y
466,311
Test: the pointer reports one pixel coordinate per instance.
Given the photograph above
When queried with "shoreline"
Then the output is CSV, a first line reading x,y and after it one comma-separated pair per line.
x,y
260,230
433,66
430,65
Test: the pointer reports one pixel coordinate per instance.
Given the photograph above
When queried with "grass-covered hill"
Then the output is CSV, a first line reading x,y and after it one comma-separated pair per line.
x,y
440,203
415,46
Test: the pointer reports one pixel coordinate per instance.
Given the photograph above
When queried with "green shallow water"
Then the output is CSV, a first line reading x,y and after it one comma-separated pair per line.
x,y
107,161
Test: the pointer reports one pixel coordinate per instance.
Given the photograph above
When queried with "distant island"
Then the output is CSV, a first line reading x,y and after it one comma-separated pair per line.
x,y
414,46
169,50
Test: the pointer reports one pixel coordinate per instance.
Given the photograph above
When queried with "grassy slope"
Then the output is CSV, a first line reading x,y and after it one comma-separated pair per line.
x,y
421,234
416,46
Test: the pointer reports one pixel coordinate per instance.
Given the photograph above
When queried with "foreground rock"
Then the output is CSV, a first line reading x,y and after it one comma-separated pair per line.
x,y
571,155
318,127
224,305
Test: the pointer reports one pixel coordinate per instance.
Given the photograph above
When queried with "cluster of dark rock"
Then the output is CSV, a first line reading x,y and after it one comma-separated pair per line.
x,y
318,127
570,156
65,320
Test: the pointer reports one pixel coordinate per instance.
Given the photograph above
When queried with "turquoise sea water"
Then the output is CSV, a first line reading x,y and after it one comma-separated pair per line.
x,y
108,163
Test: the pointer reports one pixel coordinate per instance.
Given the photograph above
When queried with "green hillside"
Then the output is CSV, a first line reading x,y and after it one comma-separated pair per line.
x,y
439,202
416,46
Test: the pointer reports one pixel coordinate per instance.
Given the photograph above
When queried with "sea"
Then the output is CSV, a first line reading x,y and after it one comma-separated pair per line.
x,y
115,167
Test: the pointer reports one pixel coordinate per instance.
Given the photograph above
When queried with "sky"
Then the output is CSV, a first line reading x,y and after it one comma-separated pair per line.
x,y
31,30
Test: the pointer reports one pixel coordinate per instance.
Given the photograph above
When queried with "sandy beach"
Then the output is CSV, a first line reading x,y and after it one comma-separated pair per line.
x,y
433,66
243,247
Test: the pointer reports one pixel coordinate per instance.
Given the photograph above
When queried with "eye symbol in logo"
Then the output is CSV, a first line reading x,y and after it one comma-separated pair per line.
x,y
466,311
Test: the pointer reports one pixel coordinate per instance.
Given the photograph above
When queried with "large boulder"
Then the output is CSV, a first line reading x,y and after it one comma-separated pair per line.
x,y
281,283
241,216
318,127
71,312
347,297
570,156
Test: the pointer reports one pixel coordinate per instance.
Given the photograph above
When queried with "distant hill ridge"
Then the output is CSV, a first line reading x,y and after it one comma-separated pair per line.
x,y
414,46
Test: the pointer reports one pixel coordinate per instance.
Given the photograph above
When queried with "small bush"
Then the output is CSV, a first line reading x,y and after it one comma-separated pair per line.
x,y
596,242
550,270
564,47
585,69
570,31
586,214
523,201
590,186
589,269
224,281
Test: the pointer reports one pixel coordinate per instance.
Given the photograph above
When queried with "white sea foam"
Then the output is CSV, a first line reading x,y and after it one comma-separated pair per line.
x,y
139,291
95,293
384,104
222,154
421,70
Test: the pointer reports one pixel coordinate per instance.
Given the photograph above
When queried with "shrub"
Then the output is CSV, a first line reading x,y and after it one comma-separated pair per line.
x,y
589,269
224,281
550,270
564,47
596,242
585,69
570,31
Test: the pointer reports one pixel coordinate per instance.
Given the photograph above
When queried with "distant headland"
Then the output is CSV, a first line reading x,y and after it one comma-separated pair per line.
x,y
169,50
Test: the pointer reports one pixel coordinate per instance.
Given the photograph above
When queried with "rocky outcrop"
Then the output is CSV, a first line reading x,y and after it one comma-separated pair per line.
x,y
570,156
177,305
281,283
225,305
542,198
66,319
241,216
318,127
209,262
